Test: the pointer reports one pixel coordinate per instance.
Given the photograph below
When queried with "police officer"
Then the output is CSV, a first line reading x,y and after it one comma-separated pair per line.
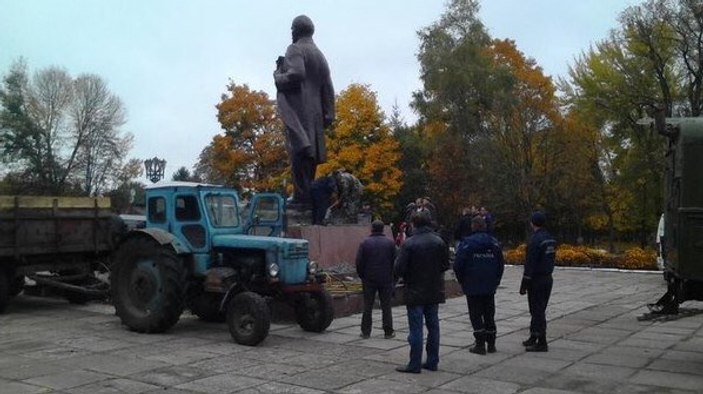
x,y
479,269
537,281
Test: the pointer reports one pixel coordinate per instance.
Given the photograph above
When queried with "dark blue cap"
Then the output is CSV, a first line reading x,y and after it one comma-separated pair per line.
x,y
538,218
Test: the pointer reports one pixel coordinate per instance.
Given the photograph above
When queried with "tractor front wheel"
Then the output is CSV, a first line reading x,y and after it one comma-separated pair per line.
x,y
314,311
248,318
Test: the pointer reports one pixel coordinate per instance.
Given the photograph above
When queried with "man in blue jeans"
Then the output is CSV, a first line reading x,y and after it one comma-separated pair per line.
x,y
421,263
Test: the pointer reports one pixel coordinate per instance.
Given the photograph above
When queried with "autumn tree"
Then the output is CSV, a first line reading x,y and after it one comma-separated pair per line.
x,y
250,155
363,144
128,196
521,120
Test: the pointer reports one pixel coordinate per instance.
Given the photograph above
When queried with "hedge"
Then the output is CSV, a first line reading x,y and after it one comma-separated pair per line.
x,y
581,256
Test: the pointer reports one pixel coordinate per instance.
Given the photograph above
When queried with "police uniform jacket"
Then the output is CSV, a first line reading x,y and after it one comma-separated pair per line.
x,y
541,251
479,264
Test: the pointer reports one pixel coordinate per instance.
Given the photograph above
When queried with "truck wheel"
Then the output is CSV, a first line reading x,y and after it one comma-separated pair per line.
x,y
4,291
207,307
314,311
248,318
147,285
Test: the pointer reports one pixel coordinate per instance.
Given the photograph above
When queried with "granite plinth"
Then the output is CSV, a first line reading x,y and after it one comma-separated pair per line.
x,y
333,246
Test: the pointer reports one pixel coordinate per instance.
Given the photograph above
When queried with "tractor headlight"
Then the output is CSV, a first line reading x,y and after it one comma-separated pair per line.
x,y
312,269
273,270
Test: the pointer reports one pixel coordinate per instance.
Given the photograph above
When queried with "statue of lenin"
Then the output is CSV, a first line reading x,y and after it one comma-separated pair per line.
x,y
305,101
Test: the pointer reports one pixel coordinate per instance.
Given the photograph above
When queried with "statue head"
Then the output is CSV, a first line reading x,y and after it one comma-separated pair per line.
x,y
302,27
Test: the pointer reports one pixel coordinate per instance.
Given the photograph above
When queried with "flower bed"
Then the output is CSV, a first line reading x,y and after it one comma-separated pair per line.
x,y
581,256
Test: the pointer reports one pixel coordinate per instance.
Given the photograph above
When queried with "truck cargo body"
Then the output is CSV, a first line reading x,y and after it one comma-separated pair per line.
x,y
56,241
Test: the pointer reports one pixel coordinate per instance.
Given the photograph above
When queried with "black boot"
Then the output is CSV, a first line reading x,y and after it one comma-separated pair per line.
x,y
540,346
491,342
530,341
479,347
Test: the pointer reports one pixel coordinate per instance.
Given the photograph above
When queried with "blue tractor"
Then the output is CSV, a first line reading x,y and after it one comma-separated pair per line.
x,y
195,250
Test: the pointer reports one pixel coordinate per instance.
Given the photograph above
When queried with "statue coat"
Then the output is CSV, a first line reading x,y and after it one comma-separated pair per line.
x,y
305,98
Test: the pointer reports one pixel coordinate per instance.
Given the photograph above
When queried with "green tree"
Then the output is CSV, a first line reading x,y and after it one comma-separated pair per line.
x,y
641,67
459,85
183,174
59,134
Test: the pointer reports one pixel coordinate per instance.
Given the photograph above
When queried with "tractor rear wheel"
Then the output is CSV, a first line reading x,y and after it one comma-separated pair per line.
x,y
147,284
248,318
315,311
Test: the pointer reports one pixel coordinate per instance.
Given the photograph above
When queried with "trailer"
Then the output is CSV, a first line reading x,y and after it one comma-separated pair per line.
x,y
59,242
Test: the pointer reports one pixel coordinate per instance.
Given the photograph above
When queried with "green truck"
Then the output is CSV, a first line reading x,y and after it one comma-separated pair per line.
x,y
682,243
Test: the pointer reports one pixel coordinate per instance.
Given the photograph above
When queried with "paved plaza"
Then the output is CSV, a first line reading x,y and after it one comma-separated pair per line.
x,y
597,345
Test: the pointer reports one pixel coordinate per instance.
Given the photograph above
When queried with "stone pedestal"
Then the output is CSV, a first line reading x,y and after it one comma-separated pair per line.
x,y
334,246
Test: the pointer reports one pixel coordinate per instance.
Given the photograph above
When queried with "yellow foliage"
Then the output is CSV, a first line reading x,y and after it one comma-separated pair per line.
x,y
516,256
637,258
361,142
582,256
251,154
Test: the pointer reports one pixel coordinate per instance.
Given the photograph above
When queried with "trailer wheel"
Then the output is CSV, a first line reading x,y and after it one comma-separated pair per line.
x,y
147,284
314,311
248,318
4,291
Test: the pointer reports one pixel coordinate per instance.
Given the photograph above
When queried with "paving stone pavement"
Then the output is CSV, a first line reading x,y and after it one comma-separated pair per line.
x,y
597,345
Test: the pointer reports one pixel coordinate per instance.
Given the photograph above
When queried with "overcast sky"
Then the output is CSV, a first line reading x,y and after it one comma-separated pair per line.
x,y
170,60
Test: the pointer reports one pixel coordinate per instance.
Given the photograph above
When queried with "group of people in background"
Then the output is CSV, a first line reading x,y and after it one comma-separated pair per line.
x,y
463,229
421,260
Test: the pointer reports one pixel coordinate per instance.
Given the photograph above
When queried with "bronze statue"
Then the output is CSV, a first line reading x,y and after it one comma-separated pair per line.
x,y
305,102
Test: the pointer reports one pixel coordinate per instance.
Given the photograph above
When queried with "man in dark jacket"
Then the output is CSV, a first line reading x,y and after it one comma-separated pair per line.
x,y
305,102
479,268
421,263
374,265
537,281
321,191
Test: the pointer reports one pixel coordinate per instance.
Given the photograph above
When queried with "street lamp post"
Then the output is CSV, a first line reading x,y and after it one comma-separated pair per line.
x,y
155,169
